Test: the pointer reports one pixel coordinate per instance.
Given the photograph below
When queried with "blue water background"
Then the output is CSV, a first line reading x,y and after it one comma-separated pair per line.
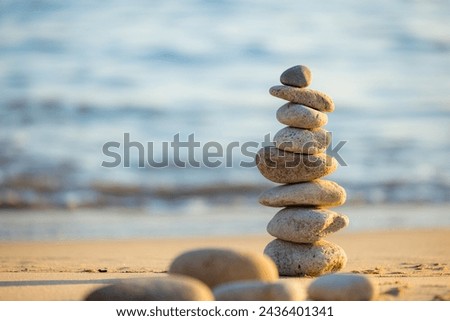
x,y
77,74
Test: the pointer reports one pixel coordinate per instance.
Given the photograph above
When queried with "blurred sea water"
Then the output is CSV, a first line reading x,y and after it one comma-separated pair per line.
x,y
75,75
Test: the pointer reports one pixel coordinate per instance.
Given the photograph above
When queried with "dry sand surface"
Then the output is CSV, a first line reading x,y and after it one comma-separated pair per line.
x,y
407,265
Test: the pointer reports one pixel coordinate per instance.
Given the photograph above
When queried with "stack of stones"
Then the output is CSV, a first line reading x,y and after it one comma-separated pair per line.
x,y
298,161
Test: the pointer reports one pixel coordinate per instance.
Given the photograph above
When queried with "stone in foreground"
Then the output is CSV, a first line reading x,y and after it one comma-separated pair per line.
x,y
321,193
304,96
300,116
305,225
286,168
293,259
216,266
297,76
260,291
343,287
171,288
302,141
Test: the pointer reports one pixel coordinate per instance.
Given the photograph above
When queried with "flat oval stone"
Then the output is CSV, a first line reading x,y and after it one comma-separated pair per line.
x,y
285,167
305,225
293,259
304,96
171,288
216,266
297,76
260,291
319,192
303,141
343,287
300,116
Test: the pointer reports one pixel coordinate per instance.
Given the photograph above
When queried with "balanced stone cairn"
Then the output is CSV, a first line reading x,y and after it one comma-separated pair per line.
x,y
298,161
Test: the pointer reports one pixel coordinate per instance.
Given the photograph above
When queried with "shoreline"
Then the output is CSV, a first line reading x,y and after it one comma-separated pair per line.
x,y
200,219
406,264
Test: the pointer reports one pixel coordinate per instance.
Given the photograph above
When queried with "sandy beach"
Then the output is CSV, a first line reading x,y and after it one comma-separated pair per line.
x,y
407,264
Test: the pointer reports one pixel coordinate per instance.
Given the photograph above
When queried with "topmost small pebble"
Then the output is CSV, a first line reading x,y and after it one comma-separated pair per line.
x,y
297,76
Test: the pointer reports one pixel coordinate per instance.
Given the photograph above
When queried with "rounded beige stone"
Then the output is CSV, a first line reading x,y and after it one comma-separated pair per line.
x,y
304,96
171,288
343,287
321,193
260,291
286,168
300,116
303,141
297,76
216,266
305,225
294,259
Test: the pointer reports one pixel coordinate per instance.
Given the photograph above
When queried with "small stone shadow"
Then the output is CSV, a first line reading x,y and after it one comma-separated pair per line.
x,y
56,282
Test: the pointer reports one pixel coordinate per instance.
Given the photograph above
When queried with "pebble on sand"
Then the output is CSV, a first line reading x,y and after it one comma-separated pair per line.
x,y
215,266
343,287
171,288
304,259
260,291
